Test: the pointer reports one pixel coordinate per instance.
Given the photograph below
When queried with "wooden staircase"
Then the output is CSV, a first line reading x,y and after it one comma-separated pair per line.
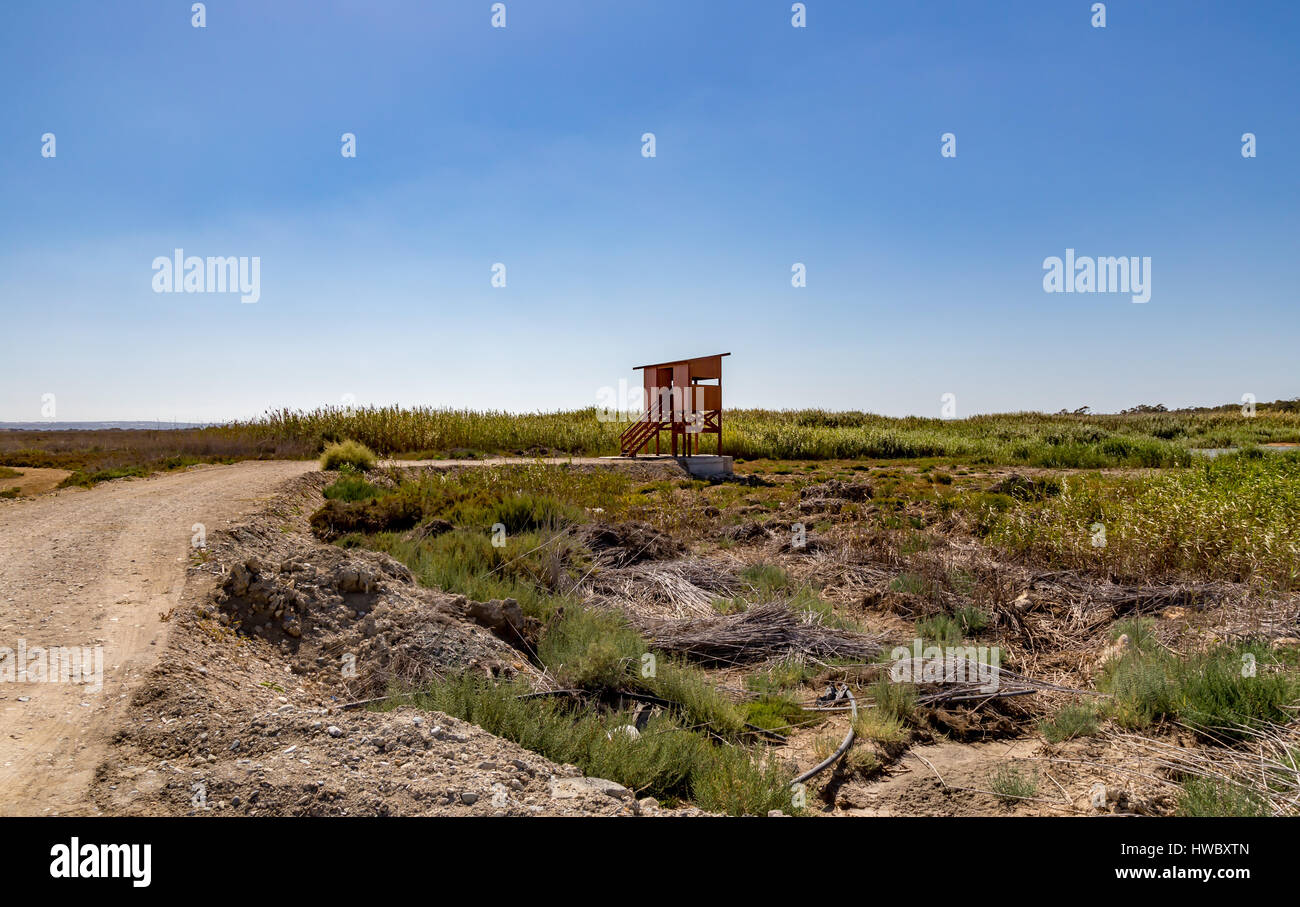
x,y
639,434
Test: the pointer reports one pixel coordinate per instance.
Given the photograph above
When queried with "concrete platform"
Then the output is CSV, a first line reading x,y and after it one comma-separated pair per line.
x,y
701,466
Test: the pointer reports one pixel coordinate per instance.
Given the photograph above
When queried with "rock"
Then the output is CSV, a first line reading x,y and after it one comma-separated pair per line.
x,y
355,578
574,788
506,619
469,798
334,730
237,582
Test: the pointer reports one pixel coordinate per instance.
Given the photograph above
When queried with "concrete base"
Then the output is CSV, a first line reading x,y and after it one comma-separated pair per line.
x,y
702,466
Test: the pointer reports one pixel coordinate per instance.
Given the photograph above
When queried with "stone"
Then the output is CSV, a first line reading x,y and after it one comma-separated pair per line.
x,y
573,788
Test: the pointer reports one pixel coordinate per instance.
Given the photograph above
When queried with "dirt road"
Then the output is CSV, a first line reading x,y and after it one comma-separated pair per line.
x,y
98,567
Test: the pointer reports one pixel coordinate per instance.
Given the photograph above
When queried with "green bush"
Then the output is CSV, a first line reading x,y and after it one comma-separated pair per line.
x,y
1011,784
767,579
971,619
695,697
591,649
894,700
1076,720
1214,692
784,674
347,453
780,712
1207,797
665,760
942,630
351,487
909,584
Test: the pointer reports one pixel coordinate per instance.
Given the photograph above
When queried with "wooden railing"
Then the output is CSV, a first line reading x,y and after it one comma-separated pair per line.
x,y
639,434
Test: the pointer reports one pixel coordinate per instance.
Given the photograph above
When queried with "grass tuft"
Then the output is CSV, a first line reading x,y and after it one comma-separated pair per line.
x,y
347,453
1071,721
1011,784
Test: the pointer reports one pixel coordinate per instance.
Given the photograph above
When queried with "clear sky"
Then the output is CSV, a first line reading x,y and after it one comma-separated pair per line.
x,y
523,145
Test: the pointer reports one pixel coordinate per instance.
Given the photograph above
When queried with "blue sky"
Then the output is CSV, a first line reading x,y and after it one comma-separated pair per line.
x,y
522,145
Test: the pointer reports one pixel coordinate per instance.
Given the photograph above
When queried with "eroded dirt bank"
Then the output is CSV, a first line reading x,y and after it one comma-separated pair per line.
x,y
255,707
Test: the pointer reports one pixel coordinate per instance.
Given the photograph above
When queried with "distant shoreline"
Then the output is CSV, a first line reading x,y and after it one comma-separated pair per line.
x,y
100,426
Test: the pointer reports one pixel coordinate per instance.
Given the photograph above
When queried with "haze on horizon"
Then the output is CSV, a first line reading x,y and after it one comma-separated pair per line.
x,y
773,146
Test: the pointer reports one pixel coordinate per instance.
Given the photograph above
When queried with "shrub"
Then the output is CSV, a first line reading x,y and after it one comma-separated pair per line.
x,y
941,629
882,728
341,517
523,512
351,487
894,700
1215,692
1209,797
1070,722
779,712
781,675
347,453
665,761
591,649
694,696
909,584
1011,784
971,619
767,579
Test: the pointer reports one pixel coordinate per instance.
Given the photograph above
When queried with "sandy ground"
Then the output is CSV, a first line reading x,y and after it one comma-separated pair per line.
x,y
35,481
98,567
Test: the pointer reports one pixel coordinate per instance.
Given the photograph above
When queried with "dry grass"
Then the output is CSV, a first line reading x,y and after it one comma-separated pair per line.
x,y
1232,518
760,633
94,456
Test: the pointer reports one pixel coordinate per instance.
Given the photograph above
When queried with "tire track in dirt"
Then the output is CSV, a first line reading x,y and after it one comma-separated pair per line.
x,y
99,567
